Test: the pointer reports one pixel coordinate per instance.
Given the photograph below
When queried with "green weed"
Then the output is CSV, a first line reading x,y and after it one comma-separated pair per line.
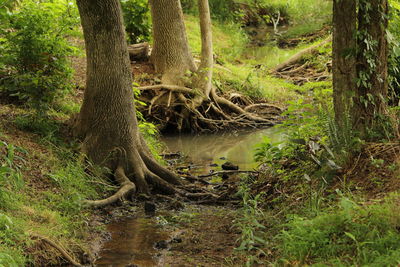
x,y
251,239
347,234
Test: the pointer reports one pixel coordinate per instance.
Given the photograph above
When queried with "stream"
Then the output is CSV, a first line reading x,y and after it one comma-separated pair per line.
x,y
136,241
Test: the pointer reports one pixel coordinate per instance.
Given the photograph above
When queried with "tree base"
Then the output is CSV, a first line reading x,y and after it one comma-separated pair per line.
x,y
176,108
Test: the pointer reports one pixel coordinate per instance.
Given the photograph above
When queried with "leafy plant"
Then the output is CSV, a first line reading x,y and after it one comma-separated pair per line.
x,y
249,223
34,53
137,20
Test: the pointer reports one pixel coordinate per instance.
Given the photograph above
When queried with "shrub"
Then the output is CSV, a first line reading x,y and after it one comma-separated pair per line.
x,y
137,20
34,56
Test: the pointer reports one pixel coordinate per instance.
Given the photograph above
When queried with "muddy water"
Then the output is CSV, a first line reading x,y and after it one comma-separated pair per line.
x,y
133,243
133,239
236,147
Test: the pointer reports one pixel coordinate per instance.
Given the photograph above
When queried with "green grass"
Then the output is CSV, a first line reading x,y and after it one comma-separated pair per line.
x,y
231,48
348,234
41,194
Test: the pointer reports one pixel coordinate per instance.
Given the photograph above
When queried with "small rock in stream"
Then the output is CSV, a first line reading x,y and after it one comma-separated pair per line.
x,y
161,244
149,207
229,166
213,165
176,240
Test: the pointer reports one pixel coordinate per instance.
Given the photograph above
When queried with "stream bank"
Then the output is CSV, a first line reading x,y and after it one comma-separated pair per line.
x,y
188,234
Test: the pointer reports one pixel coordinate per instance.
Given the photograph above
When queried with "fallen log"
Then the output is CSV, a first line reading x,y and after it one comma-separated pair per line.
x,y
296,57
139,52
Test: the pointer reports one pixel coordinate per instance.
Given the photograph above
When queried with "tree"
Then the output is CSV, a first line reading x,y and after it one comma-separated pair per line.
x,y
191,103
171,55
343,50
370,100
107,120
360,59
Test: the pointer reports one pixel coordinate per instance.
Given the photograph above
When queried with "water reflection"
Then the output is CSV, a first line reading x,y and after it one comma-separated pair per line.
x,y
132,243
236,147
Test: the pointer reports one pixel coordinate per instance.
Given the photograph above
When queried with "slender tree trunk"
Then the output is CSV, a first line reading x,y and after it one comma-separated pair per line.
x,y
203,80
344,57
372,59
171,55
107,120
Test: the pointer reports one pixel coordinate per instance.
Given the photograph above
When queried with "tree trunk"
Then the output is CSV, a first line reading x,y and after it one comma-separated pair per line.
x,y
372,59
107,120
344,58
171,55
203,80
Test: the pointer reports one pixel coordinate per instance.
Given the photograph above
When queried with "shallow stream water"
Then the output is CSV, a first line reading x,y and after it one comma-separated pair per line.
x,y
236,147
133,240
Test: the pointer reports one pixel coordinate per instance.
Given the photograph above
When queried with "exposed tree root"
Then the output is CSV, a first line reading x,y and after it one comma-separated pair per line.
x,y
63,252
175,88
193,112
126,187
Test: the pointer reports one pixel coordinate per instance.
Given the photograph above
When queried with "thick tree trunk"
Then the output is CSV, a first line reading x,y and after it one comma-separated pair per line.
x,y
344,58
371,94
170,55
107,120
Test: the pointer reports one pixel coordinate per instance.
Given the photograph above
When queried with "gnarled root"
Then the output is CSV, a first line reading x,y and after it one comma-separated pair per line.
x,y
193,111
126,187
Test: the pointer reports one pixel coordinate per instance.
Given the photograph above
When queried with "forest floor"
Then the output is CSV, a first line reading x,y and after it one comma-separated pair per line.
x,y
47,182
42,156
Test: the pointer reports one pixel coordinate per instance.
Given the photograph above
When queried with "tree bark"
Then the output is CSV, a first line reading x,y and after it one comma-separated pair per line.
x,y
107,120
372,65
171,55
344,58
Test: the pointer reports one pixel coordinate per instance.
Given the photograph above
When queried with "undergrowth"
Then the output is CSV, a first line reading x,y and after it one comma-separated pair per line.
x,y
43,200
309,214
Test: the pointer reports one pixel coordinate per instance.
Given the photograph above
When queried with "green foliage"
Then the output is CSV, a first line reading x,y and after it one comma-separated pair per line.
x,y
347,234
393,35
34,53
137,20
250,226
222,10
11,179
11,258
148,129
43,126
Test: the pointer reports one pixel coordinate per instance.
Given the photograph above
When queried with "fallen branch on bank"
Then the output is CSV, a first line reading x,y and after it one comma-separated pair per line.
x,y
58,247
296,57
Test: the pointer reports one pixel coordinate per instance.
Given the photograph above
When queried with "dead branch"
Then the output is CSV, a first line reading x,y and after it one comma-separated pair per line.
x,y
64,253
263,105
296,57
139,51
